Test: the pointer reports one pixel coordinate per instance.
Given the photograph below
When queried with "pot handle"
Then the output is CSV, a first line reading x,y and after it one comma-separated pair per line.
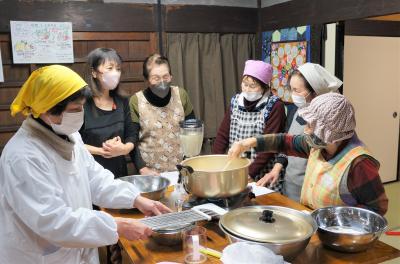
x,y
184,171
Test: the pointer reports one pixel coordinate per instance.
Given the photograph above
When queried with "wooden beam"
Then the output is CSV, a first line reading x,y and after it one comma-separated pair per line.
x,y
85,16
125,59
6,129
394,17
372,28
145,36
191,18
316,43
307,12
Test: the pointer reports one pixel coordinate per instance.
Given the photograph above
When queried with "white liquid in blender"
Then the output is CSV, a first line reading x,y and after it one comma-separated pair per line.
x,y
191,143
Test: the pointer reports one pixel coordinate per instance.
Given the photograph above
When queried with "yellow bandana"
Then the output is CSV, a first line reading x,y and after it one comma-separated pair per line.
x,y
46,87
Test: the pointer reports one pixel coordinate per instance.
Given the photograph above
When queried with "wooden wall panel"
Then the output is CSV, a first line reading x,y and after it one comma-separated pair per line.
x,y
86,16
192,18
133,47
7,95
8,121
127,88
4,137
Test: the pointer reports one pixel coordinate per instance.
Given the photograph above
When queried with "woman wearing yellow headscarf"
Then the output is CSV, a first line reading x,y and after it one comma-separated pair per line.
x,y
49,180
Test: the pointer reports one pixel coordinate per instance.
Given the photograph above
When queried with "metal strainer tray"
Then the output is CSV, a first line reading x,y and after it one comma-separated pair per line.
x,y
164,221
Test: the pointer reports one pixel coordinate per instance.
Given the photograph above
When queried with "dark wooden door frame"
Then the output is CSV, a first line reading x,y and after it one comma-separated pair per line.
x,y
306,12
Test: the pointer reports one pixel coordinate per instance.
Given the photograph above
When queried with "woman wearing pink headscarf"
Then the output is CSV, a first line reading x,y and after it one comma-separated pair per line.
x,y
254,111
340,169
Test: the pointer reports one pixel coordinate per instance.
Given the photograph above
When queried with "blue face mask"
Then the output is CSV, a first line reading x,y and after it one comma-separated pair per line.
x,y
315,142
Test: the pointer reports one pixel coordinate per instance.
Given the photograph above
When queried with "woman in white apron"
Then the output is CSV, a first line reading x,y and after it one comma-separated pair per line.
x,y
254,111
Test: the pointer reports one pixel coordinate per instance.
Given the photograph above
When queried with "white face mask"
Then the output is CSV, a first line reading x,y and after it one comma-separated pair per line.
x,y
299,101
70,123
110,80
252,96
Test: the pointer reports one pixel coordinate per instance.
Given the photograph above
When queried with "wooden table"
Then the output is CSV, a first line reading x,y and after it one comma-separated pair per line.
x,y
147,251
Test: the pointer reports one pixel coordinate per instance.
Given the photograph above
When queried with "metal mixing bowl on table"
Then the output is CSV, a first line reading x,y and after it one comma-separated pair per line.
x,y
348,229
150,186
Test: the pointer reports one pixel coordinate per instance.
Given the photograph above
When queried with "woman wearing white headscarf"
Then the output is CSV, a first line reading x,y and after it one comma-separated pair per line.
x,y
306,82
340,169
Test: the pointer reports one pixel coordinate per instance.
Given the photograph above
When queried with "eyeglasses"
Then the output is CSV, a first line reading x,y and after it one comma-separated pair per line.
x,y
251,86
165,78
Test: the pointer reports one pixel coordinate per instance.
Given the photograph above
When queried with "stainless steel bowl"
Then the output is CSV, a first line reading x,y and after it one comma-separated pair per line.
x,y
152,187
171,236
348,229
287,235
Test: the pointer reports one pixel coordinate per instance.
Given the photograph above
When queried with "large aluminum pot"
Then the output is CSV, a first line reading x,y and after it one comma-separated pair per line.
x,y
150,186
283,230
214,176
348,229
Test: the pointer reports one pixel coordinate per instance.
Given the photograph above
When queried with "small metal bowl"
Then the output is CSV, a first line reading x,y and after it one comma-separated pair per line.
x,y
150,186
348,229
170,236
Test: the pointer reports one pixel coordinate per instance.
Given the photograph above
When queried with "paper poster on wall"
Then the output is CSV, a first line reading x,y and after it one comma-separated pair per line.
x,y
286,57
1,69
41,42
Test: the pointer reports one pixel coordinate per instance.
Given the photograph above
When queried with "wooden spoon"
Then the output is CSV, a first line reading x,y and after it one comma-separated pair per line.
x,y
227,164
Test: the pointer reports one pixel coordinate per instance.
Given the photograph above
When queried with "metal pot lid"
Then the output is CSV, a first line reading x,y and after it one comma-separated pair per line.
x,y
269,224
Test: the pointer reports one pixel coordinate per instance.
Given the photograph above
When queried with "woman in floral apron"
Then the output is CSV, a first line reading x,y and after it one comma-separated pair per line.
x,y
156,112
254,111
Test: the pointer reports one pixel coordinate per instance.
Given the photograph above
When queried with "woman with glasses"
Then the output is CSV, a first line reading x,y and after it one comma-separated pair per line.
x,y
254,111
156,112
108,132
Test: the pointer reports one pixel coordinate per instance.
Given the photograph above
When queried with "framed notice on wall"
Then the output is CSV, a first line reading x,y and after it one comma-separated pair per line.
x,y
41,42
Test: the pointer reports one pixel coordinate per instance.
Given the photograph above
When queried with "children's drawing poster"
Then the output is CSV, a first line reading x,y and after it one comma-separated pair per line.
x,y
285,57
41,42
285,49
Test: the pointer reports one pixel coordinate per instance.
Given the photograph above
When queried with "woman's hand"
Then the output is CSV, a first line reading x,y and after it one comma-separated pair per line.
x,y
241,146
114,148
271,177
132,229
150,207
148,171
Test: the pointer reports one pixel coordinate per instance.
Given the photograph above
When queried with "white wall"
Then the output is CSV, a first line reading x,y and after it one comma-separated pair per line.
x,y
372,83
330,48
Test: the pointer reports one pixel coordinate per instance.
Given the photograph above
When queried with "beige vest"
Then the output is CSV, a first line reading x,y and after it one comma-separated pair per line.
x,y
159,132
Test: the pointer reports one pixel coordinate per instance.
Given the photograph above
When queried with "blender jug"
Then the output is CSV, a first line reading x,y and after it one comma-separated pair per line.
x,y
191,137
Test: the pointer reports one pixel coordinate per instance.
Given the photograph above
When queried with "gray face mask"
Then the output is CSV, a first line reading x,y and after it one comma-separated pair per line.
x,y
314,141
161,89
